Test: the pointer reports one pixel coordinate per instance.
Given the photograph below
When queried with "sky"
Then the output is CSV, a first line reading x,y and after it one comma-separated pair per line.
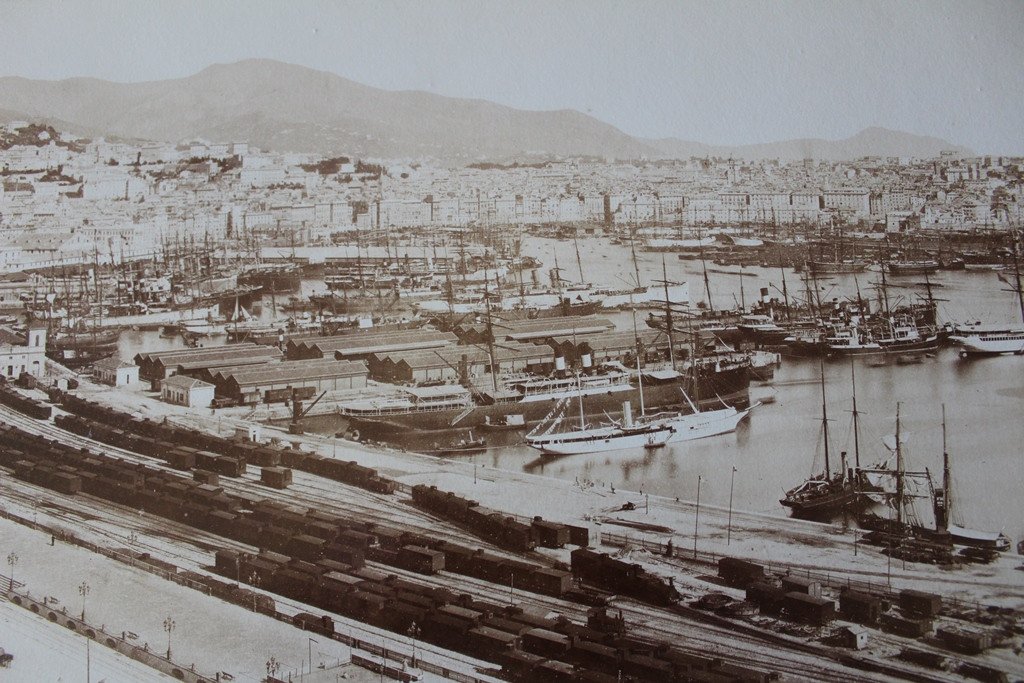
x,y
719,72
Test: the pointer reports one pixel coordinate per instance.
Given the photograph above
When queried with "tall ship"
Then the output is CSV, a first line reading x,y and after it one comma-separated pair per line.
x,y
76,348
829,494
279,278
528,399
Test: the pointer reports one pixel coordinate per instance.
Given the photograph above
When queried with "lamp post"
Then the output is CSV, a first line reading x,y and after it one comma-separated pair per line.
x,y
12,559
414,632
83,590
732,480
696,518
169,626
254,579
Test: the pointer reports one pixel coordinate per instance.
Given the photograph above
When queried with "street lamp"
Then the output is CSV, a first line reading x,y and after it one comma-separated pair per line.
x,y
696,518
12,559
732,480
83,590
414,632
169,626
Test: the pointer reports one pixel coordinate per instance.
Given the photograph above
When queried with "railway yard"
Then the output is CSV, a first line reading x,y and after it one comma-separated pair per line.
x,y
431,569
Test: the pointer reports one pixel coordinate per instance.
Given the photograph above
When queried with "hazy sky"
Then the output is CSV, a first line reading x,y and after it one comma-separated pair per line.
x,y
717,72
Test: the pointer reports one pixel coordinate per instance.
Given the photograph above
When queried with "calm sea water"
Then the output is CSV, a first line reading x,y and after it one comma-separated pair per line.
x,y
781,443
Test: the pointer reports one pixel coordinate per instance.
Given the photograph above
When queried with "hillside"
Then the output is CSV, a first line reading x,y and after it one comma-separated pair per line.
x,y
283,107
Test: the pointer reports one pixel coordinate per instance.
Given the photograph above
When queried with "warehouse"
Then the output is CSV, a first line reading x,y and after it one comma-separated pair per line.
x,y
162,364
275,381
610,346
359,345
456,363
534,330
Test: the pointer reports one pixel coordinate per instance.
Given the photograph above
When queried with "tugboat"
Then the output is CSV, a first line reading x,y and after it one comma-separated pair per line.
x,y
463,446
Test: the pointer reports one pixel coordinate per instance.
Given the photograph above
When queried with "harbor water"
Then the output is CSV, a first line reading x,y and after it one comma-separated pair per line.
x,y
780,444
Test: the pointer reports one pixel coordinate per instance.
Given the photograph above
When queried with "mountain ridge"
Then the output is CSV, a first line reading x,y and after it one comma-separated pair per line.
x,y
285,107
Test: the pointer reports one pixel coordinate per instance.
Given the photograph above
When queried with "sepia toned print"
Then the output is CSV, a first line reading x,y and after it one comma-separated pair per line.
x,y
574,341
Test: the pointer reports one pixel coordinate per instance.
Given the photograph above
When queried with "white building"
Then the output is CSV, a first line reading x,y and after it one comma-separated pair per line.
x,y
17,356
117,373
186,391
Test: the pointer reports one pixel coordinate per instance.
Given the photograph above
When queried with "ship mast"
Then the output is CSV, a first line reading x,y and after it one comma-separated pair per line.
x,y
785,290
856,434
579,262
899,471
743,298
490,333
639,370
824,419
632,248
668,316
704,266
1016,274
942,515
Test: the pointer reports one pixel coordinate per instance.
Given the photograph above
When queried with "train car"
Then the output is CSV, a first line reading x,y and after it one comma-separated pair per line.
x,y
545,643
421,560
739,573
809,609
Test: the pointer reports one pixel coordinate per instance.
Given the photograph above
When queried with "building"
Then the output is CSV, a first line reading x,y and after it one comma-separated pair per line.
x,y
187,391
161,364
117,373
275,382
856,201
18,354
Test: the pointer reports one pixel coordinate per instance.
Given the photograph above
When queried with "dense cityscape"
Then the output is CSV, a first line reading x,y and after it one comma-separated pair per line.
x,y
478,367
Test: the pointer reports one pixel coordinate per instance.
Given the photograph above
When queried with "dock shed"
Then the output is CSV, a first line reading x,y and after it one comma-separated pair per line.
x,y
606,346
275,381
534,331
360,345
159,365
452,363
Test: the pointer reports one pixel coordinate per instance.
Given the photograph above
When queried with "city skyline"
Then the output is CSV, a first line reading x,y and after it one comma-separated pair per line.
x,y
760,72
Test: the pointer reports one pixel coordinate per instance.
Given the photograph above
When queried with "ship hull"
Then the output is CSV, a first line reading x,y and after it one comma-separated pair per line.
x,y
825,508
600,440
980,346
152,320
705,424
730,384
925,344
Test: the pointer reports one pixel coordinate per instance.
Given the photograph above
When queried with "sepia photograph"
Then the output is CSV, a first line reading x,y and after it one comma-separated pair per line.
x,y
598,341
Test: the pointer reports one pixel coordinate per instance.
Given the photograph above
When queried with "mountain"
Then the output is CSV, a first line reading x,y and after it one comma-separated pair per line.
x,y
875,141
284,107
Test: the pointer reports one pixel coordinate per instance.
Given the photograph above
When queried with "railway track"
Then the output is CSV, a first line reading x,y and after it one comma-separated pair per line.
x,y
759,650
98,510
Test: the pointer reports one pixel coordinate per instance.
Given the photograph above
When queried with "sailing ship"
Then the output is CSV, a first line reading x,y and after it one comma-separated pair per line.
x,y
529,397
597,439
919,267
829,494
913,539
